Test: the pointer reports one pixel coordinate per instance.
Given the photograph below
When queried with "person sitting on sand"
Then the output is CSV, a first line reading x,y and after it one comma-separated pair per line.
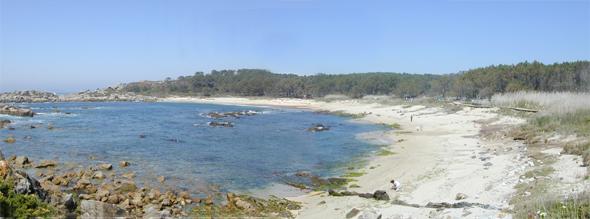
x,y
396,184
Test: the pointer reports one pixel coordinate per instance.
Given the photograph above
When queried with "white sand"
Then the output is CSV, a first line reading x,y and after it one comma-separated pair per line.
x,y
438,157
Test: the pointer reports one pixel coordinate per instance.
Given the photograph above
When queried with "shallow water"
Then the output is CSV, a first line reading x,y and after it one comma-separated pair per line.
x,y
178,144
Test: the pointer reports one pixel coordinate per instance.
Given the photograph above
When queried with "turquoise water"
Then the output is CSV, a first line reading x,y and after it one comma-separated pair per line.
x,y
178,143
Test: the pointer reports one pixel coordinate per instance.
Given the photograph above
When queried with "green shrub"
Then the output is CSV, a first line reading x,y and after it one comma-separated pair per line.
x,y
14,205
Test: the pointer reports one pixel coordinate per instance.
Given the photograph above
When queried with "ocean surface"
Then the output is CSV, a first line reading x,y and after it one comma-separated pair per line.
x,y
177,142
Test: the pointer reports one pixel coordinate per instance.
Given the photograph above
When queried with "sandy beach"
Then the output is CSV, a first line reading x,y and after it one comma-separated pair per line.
x,y
436,156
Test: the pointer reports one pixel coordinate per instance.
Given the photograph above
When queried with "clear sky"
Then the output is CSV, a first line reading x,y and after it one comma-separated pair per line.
x,y
74,45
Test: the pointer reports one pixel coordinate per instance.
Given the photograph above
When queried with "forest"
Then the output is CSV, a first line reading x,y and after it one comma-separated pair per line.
x,y
474,83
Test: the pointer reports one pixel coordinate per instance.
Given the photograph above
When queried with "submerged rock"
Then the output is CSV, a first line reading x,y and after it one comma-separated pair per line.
x,y
106,166
222,124
237,114
123,163
98,175
10,140
46,163
4,122
318,128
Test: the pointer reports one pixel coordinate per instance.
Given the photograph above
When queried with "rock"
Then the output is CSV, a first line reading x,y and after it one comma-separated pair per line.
x,y
123,163
4,168
381,195
244,205
28,185
438,205
28,96
46,164
98,175
113,199
153,212
238,114
137,201
184,195
166,202
15,111
303,174
129,175
60,180
83,183
222,124
106,166
126,204
318,128
101,193
10,140
460,196
96,209
126,186
70,202
4,122
488,164
369,214
366,195
86,197
153,194
21,160
352,213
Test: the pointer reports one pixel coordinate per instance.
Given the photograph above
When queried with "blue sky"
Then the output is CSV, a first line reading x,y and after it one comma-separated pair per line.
x,y
74,45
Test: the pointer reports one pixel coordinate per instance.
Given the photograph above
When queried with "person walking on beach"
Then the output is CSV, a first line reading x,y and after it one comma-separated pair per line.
x,y
396,184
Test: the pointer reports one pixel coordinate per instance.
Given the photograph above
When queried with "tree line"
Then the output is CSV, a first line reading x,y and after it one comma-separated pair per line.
x,y
474,83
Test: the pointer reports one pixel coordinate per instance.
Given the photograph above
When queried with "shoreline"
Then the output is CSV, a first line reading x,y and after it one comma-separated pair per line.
x,y
436,156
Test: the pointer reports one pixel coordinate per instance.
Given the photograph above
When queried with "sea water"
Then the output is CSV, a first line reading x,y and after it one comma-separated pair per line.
x,y
173,140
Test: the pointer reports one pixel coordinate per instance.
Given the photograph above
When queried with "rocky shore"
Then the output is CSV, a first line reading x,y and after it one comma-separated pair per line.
x,y
98,192
108,94
28,97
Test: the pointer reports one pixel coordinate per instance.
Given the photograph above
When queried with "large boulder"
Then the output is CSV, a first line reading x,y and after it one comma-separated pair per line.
x,y
70,202
381,195
28,185
15,111
96,209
